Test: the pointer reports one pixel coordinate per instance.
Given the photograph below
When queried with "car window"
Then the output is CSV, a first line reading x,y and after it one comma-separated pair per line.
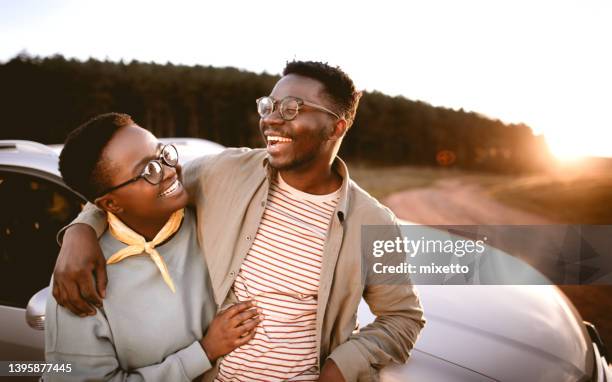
x,y
32,209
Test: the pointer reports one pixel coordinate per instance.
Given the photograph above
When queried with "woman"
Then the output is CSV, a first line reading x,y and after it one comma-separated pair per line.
x,y
159,302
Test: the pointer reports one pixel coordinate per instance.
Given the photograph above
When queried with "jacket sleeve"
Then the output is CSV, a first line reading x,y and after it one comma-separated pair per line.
x,y
92,216
195,175
390,338
87,345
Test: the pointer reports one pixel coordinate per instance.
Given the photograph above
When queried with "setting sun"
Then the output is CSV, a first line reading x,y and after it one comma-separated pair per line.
x,y
570,142
565,148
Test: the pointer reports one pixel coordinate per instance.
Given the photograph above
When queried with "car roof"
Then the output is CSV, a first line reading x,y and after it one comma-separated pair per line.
x,y
30,155
191,148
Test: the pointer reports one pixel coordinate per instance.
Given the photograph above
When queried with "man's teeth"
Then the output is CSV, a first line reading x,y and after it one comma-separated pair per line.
x,y
278,139
173,187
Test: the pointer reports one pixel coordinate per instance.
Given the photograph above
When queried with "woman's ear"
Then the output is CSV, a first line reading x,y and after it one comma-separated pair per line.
x,y
108,203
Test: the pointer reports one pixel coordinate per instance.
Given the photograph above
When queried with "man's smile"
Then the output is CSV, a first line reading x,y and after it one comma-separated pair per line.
x,y
274,139
276,143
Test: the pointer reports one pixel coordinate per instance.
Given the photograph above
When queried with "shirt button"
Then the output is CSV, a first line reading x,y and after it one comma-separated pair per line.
x,y
248,238
232,273
263,204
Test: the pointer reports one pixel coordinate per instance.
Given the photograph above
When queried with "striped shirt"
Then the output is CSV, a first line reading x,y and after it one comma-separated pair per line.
x,y
281,274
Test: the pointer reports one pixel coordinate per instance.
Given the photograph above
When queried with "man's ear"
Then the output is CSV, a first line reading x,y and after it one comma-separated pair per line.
x,y
108,203
339,130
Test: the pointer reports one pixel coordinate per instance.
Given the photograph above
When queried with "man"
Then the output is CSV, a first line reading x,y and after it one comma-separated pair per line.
x,y
267,216
159,283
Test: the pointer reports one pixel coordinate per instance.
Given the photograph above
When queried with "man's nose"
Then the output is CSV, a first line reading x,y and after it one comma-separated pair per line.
x,y
273,118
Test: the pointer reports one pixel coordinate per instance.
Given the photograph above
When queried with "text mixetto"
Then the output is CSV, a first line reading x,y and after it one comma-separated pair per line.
x,y
405,268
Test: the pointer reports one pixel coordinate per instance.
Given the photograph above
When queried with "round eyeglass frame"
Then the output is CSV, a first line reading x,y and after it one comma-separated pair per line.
x,y
158,163
283,107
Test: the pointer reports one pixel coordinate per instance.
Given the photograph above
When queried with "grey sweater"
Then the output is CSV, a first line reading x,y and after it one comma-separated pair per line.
x,y
144,332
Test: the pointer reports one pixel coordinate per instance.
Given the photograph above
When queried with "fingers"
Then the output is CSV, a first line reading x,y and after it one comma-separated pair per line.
x,y
101,278
237,308
61,296
231,328
89,292
71,307
243,340
74,301
239,318
249,325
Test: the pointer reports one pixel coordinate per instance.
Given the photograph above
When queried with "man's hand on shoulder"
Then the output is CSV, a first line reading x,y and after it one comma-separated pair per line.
x,y
331,373
80,257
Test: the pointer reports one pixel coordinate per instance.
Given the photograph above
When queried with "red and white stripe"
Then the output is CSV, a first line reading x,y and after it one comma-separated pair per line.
x,y
281,273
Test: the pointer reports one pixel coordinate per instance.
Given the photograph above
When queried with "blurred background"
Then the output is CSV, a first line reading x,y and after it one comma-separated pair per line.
x,y
474,112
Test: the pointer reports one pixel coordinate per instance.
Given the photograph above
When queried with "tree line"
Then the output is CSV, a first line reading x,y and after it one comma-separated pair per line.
x,y
42,99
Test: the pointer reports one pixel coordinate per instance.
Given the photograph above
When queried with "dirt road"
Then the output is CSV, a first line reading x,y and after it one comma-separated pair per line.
x,y
453,201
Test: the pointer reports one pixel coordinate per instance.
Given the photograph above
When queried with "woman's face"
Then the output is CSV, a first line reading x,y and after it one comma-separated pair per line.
x,y
127,154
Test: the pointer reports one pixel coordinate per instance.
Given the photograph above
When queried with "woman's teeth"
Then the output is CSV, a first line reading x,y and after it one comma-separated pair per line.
x,y
171,190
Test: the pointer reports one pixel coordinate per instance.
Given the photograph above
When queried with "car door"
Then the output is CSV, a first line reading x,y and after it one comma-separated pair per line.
x,y
34,206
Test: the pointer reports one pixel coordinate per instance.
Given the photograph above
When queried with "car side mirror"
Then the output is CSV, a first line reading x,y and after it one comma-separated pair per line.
x,y
35,312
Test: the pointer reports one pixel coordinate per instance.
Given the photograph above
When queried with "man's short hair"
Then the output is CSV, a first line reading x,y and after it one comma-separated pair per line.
x,y
339,87
81,163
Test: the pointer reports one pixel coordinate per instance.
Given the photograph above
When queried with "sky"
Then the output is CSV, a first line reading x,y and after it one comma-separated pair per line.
x,y
544,63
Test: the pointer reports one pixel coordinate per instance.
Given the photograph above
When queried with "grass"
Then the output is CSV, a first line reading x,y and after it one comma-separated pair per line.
x,y
583,199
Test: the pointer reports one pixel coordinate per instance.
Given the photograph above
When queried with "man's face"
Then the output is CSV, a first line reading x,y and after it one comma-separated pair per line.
x,y
306,140
128,152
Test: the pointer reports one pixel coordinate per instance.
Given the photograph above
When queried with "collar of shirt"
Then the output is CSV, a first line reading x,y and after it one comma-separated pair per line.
x,y
341,169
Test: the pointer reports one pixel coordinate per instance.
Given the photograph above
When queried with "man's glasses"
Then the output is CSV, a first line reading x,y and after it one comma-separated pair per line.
x,y
153,171
288,107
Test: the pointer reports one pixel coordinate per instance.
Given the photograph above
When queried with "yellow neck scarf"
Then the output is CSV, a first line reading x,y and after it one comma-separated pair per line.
x,y
138,244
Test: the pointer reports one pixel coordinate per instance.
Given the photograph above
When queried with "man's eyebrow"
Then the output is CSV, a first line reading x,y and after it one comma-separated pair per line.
x,y
138,166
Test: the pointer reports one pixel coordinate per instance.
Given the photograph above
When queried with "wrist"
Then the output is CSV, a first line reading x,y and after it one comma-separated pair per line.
x,y
208,350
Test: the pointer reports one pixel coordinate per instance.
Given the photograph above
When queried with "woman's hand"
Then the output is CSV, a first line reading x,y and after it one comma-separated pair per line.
x,y
230,329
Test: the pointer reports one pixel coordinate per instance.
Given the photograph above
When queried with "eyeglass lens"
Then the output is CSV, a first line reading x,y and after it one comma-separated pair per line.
x,y
153,171
265,106
288,107
169,155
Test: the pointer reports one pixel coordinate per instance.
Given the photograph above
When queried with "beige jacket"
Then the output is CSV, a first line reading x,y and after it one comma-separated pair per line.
x,y
230,191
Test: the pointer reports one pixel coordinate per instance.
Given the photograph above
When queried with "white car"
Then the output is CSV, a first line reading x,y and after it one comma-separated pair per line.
x,y
473,333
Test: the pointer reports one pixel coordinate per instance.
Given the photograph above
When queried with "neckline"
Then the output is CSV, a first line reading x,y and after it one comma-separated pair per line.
x,y
304,195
